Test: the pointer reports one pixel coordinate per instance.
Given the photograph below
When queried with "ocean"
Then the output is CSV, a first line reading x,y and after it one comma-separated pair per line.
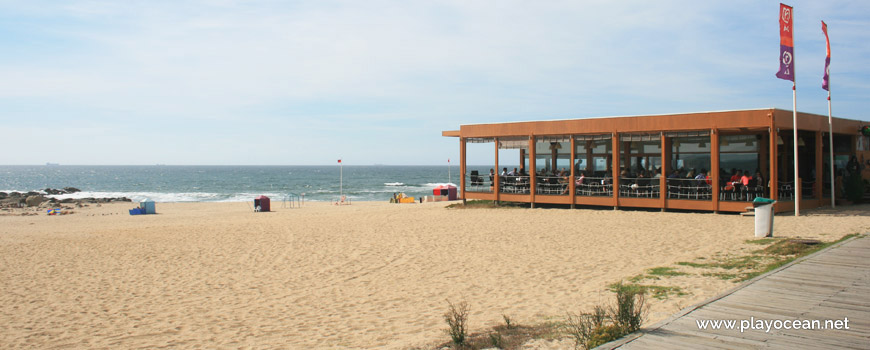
x,y
162,183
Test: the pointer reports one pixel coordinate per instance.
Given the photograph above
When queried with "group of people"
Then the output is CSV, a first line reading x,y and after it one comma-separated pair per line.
x,y
742,179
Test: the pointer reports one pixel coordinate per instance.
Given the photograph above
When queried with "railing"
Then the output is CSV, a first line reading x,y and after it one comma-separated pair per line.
x,y
808,189
595,187
639,187
478,183
514,184
786,190
737,192
552,185
689,189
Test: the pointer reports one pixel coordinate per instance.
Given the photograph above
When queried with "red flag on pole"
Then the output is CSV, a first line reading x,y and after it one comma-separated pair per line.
x,y
339,160
786,43
826,79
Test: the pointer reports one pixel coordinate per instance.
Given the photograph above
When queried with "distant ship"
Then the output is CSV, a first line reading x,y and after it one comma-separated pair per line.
x,y
52,164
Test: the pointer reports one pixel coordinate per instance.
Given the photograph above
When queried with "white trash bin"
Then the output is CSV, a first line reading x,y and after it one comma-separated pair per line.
x,y
764,220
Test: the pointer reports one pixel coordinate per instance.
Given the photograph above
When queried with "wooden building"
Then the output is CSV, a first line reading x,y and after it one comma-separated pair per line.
x,y
677,161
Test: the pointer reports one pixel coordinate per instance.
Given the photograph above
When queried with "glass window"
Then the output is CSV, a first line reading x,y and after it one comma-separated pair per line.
x,y
640,162
552,155
690,153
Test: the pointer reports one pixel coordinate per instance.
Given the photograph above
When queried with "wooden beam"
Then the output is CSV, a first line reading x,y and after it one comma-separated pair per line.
x,y
714,167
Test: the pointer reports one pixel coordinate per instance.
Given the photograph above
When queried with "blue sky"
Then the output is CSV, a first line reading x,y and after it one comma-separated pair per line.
x,y
375,82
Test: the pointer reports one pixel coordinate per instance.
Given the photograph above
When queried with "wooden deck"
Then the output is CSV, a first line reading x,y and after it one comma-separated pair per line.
x,y
833,284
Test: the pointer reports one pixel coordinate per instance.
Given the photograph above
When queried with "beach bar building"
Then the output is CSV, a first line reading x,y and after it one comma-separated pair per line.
x,y
655,161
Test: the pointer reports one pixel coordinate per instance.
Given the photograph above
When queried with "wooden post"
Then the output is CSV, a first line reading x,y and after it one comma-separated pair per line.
x,y
573,192
589,165
774,164
764,157
533,182
496,181
522,156
615,170
462,167
663,180
714,168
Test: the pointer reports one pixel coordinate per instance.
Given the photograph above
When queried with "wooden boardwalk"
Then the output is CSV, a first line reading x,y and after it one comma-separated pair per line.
x,y
833,284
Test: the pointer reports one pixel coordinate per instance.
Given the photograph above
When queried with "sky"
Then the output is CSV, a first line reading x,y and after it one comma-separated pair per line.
x,y
267,82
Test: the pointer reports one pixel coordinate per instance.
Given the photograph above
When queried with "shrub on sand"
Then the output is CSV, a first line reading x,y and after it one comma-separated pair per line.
x,y
457,322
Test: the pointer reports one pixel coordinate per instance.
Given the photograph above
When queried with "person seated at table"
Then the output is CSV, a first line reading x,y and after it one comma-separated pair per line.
x,y
759,180
701,177
735,175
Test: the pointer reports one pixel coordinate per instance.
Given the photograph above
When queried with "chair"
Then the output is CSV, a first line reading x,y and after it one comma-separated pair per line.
x,y
476,180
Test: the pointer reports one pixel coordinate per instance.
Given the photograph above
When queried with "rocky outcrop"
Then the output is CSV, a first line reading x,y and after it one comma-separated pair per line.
x,y
34,201
37,199
65,190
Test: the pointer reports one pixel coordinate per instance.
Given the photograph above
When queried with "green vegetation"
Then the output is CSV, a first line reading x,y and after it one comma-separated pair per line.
x,y
694,264
761,241
508,336
605,325
665,271
457,322
777,253
658,292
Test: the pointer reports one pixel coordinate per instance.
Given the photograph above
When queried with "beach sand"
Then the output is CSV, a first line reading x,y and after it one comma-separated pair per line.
x,y
368,275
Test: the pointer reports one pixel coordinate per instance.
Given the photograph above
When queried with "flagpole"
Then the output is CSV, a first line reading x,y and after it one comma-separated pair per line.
x,y
449,177
340,179
831,142
826,84
797,183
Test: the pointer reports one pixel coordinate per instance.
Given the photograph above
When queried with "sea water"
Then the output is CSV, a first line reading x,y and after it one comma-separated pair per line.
x,y
162,183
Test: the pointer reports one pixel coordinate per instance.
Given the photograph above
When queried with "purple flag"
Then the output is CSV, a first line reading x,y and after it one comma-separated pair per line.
x,y
786,63
825,80
786,44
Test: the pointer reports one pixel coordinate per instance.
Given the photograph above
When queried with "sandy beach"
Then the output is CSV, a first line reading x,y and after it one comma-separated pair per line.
x,y
368,275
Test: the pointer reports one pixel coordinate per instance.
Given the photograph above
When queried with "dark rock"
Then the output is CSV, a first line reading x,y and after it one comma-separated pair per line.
x,y
32,193
67,200
71,189
14,194
51,191
10,203
3,195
